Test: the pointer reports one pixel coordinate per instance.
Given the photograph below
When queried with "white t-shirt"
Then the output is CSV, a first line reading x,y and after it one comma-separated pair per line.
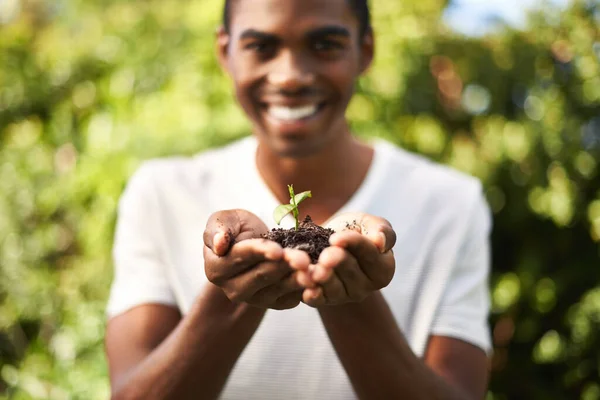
x,y
440,287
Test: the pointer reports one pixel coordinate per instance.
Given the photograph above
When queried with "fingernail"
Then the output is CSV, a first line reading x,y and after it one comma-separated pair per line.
x,y
274,253
218,243
315,293
304,280
318,274
382,236
296,261
334,240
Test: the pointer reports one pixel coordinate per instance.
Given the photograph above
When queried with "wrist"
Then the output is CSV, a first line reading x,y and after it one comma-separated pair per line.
x,y
352,308
214,304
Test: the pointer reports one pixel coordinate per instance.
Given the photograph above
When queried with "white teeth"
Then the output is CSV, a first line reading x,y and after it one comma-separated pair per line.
x,y
291,114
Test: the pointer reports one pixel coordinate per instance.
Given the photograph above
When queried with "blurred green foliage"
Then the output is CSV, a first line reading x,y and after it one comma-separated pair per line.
x,y
88,89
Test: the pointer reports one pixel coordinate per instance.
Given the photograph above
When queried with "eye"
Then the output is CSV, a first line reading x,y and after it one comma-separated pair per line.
x,y
262,48
325,45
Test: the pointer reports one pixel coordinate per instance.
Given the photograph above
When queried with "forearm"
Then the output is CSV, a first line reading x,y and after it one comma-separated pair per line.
x,y
196,359
375,355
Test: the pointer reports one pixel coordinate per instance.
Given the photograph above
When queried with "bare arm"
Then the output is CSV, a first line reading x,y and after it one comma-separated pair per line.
x,y
381,365
363,330
153,353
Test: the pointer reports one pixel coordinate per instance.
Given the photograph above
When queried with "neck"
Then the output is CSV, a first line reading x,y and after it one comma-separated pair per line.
x,y
333,175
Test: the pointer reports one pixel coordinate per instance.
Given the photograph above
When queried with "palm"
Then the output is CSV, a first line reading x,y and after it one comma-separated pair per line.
x,y
358,262
347,221
248,267
250,226
367,225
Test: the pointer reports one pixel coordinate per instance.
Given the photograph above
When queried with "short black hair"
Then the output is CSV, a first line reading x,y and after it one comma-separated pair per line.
x,y
360,8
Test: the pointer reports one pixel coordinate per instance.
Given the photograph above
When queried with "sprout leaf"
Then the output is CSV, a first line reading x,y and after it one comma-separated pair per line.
x,y
281,211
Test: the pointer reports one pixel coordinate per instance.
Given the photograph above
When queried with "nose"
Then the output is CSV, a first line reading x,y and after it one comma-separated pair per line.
x,y
290,72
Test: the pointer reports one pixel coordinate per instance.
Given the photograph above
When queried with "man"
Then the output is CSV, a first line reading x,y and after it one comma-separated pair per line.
x,y
197,321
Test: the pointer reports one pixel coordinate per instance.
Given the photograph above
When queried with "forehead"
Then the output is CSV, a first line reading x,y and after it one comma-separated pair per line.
x,y
290,15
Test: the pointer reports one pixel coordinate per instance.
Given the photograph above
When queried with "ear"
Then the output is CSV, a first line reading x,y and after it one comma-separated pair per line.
x,y
222,48
367,51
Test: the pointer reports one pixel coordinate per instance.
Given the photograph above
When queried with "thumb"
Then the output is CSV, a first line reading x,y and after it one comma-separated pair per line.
x,y
379,231
376,229
221,230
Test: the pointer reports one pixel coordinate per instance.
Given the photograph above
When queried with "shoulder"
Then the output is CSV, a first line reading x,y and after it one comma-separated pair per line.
x,y
430,183
179,172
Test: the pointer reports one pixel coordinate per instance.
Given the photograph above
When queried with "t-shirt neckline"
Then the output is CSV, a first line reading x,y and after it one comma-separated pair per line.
x,y
265,198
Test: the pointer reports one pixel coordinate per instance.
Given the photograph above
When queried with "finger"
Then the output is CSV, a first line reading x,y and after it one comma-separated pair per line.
x,y
224,228
263,276
335,260
221,243
379,230
321,274
300,261
363,249
251,227
297,259
242,256
329,259
304,279
334,291
269,295
378,268
331,292
356,283
313,297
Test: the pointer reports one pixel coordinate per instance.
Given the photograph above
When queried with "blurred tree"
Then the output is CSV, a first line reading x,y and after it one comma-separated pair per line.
x,y
88,89
524,106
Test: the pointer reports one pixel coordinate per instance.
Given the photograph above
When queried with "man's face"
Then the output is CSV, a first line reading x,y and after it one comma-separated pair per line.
x,y
294,64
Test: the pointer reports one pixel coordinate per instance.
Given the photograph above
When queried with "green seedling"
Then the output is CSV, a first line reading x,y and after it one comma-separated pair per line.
x,y
284,209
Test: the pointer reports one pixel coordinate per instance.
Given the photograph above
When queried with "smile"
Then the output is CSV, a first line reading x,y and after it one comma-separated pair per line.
x,y
290,114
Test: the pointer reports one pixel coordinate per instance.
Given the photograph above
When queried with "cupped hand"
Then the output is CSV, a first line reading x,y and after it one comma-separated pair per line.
x,y
359,261
249,268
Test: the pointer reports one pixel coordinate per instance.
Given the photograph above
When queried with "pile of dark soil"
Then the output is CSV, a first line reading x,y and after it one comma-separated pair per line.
x,y
309,237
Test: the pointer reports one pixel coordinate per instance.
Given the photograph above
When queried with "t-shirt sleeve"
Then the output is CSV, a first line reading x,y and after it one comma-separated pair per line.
x,y
140,275
464,308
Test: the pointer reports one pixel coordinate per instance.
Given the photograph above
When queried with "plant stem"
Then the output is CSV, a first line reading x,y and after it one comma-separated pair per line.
x,y
295,209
